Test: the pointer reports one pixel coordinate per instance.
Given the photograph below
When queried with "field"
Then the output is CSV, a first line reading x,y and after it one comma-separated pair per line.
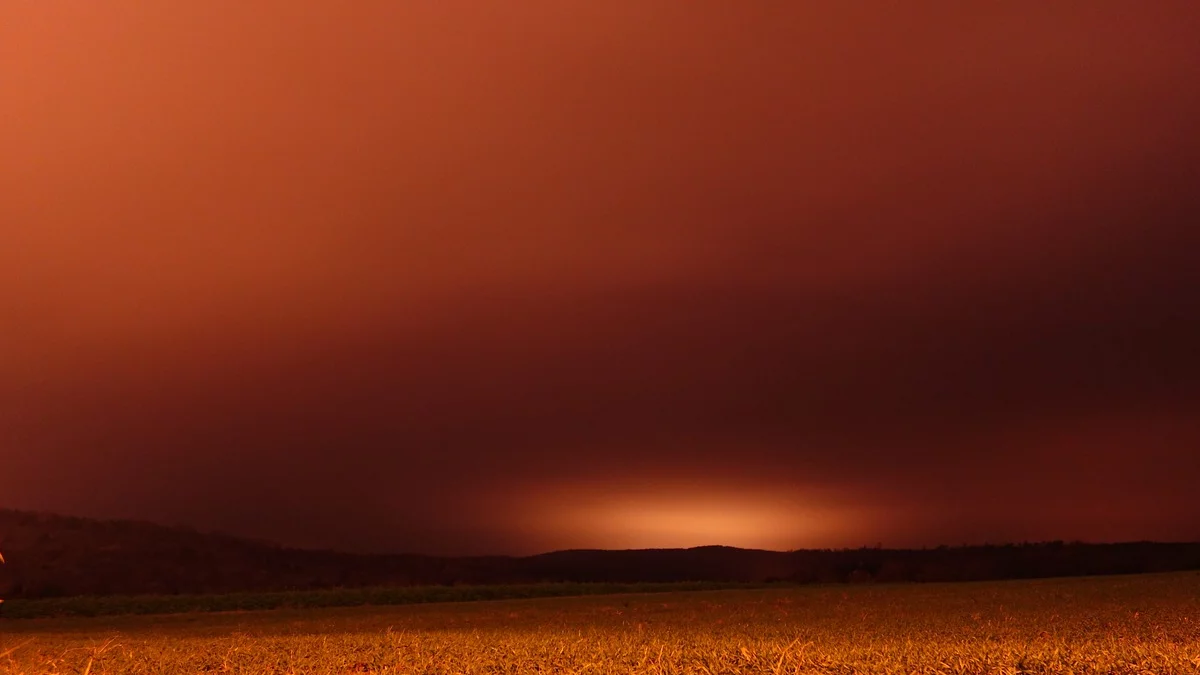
x,y
334,597
1133,624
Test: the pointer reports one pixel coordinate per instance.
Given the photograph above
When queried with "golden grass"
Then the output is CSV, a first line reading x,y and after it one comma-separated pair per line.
x,y
1138,624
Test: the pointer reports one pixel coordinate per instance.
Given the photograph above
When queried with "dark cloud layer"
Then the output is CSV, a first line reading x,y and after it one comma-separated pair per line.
x,y
467,281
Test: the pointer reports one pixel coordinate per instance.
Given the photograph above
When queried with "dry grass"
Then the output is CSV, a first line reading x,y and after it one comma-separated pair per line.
x,y
1142,624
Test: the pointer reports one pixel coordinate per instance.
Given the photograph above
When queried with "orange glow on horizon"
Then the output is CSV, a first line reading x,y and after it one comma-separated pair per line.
x,y
693,517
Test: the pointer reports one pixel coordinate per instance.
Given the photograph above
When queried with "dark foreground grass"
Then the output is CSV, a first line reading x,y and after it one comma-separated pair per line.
x,y
1118,625
323,598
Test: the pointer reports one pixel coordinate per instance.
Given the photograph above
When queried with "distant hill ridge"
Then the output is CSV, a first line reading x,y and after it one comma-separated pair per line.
x,y
52,555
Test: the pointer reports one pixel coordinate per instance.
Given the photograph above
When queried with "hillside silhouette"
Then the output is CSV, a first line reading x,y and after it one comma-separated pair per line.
x,y
53,556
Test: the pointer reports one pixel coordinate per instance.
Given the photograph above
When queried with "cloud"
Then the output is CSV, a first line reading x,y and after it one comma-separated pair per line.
x,y
310,287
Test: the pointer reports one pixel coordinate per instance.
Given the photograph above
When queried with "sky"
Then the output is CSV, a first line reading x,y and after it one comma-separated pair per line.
x,y
475,277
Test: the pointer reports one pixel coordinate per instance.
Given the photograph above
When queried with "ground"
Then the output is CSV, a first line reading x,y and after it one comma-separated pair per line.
x,y
1134,624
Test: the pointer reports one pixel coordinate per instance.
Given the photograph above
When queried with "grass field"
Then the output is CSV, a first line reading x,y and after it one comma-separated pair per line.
x,y
334,597
1134,624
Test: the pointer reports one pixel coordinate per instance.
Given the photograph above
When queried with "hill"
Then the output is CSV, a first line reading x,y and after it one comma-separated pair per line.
x,y
51,556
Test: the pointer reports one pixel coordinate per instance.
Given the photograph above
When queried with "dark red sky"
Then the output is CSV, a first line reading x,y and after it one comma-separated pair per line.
x,y
508,277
